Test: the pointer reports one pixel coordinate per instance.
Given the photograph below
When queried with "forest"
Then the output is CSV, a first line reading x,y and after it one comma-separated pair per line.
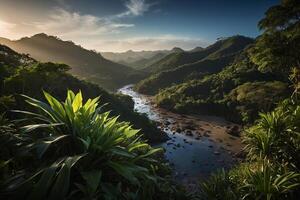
x,y
66,133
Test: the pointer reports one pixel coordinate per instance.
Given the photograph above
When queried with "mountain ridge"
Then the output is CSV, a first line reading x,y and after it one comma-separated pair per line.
x,y
86,64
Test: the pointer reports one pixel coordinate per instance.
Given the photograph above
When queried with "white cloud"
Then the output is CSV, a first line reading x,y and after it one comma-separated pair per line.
x,y
100,33
135,8
69,24
5,27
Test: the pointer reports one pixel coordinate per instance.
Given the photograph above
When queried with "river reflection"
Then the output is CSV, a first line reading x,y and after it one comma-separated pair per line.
x,y
191,157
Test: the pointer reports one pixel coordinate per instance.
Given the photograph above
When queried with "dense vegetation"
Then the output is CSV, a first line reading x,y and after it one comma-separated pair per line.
x,y
238,92
84,63
271,169
23,75
57,144
179,67
255,81
72,150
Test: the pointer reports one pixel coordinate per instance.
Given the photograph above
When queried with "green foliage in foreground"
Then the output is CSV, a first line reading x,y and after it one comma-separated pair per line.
x,y
21,74
73,150
273,167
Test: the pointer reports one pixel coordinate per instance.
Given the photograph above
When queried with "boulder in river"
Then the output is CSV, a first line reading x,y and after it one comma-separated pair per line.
x,y
234,130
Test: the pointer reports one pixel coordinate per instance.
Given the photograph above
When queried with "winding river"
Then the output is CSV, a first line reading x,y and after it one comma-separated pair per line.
x,y
198,145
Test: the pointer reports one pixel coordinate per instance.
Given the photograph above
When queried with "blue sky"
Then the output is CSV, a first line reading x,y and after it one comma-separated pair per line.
x,y
120,25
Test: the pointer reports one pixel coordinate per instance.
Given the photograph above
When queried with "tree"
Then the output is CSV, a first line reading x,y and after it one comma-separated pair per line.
x,y
277,50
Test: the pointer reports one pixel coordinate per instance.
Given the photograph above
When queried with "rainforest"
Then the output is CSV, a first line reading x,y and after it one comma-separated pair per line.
x,y
154,100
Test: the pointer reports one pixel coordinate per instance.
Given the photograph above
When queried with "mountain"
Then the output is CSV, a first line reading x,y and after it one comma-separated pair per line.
x,y
220,48
179,67
20,74
85,63
139,59
196,49
238,92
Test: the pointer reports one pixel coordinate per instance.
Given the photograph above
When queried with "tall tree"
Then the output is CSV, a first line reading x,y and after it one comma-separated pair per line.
x,y
277,50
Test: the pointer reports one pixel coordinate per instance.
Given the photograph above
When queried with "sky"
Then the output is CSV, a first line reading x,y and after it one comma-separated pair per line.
x,y
121,25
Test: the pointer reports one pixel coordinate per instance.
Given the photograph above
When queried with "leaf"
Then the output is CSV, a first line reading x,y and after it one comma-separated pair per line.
x,y
92,179
32,127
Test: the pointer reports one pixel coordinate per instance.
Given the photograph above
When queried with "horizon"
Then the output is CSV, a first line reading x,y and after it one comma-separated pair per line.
x,y
138,25
125,51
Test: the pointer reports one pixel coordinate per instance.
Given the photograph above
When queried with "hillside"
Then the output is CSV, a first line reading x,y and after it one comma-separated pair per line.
x,y
209,60
86,64
238,92
221,48
21,74
139,59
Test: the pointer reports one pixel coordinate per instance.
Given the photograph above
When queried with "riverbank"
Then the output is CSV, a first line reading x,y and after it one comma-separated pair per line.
x,y
198,145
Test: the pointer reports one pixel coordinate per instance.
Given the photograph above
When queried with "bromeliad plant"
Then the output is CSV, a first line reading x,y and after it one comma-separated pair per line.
x,y
83,152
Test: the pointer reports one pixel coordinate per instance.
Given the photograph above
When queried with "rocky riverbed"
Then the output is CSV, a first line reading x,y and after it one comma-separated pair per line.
x,y
198,145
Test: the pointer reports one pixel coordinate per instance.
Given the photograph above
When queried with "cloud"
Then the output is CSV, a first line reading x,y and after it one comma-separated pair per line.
x,y
93,32
63,22
5,27
149,43
135,8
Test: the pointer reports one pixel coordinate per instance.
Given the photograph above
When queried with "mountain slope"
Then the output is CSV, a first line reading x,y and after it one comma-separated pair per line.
x,y
221,48
20,74
139,59
209,60
238,92
84,63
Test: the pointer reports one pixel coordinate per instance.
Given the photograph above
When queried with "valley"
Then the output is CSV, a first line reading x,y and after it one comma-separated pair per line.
x,y
144,100
197,145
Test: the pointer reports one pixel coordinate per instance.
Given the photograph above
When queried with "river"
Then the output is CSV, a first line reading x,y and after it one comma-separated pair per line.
x,y
198,145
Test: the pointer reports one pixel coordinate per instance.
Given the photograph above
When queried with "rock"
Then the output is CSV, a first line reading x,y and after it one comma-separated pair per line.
x,y
216,153
167,123
198,138
206,135
235,130
189,133
178,130
178,145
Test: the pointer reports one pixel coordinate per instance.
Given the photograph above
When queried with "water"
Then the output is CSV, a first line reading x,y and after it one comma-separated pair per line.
x,y
191,157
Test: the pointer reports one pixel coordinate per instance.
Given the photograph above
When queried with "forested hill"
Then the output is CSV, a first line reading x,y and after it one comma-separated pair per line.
x,y
219,49
21,74
179,67
84,63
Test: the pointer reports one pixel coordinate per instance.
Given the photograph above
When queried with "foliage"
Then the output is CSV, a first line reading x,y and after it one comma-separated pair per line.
x,y
272,170
77,151
31,79
181,67
218,187
277,49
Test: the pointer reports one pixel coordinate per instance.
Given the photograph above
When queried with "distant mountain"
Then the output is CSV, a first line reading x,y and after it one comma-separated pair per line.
x,y
196,49
179,67
139,59
85,63
220,48
177,50
20,74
